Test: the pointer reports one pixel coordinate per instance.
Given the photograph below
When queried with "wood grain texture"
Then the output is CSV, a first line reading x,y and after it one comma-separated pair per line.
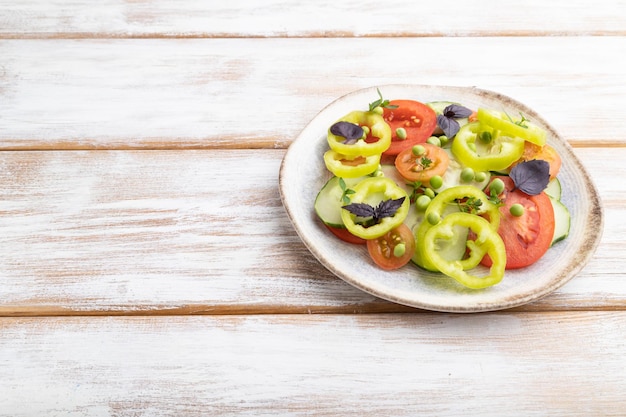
x,y
203,232
370,365
292,18
260,93
147,267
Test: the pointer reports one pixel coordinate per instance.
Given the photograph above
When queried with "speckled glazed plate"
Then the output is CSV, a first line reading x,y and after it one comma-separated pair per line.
x,y
303,174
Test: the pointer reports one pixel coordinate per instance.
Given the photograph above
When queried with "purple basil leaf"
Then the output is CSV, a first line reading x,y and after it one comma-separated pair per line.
x,y
456,111
449,126
388,208
361,209
531,177
347,130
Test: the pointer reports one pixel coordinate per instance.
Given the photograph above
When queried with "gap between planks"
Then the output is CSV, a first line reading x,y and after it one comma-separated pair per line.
x,y
381,307
263,144
308,35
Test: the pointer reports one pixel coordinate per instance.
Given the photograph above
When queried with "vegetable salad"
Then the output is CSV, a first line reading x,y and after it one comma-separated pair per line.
x,y
465,192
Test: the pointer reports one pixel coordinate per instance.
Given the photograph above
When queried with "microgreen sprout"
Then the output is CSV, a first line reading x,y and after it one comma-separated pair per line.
x,y
381,102
471,205
494,198
425,162
346,192
417,190
522,122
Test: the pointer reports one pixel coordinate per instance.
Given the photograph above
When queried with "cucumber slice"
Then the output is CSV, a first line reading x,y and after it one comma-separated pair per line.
x,y
414,218
554,189
328,201
390,171
561,220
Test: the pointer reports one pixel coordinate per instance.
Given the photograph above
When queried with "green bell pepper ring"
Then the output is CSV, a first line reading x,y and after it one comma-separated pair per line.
x,y
377,141
500,121
460,195
373,191
350,166
496,155
488,241
452,200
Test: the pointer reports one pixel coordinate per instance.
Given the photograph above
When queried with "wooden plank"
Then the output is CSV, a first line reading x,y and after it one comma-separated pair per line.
x,y
365,365
322,18
196,232
215,93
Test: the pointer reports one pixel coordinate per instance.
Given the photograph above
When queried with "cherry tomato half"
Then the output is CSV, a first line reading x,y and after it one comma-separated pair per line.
x,y
545,152
417,119
345,235
434,161
526,237
394,249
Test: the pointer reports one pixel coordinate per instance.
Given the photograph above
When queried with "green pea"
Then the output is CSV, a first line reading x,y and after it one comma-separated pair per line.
x,y
434,140
401,133
418,150
497,186
399,250
485,137
517,210
436,182
366,130
429,192
433,218
422,202
467,174
443,139
472,146
480,176
378,110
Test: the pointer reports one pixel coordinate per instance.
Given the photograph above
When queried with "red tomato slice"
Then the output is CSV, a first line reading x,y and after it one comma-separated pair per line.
x,y
413,167
382,249
528,237
345,235
418,120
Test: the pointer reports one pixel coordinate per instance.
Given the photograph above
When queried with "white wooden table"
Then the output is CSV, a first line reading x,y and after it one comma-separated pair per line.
x,y
147,267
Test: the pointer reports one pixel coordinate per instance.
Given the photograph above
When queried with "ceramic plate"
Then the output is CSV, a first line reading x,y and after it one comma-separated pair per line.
x,y
303,174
